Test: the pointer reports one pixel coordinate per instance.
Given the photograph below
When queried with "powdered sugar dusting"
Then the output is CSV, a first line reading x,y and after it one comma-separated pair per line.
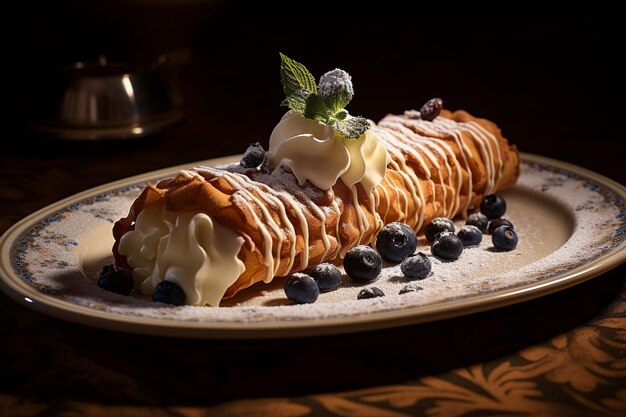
x,y
468,228
564,221
395,228
440,222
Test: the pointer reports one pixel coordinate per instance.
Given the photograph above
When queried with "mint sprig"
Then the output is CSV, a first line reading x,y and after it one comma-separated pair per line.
x,y
326,102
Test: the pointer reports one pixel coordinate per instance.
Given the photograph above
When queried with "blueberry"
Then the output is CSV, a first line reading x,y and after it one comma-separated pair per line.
x,y
396,241
493,206
371,292
253,156
115,279
436,226
302,289
479,220
416,266
327,276
412,287
431,109
470,235
495,223
362,264
447,246
168,292
504,238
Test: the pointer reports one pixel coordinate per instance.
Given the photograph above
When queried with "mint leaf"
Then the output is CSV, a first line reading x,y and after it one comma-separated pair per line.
x,y
295,76
351,127
316,109
308,105
297,101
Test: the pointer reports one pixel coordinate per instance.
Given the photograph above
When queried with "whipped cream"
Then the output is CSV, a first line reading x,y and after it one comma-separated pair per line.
x,y
185,247
313,151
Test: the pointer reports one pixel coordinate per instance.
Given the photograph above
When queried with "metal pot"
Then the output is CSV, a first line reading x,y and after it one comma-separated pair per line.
x,y
101,100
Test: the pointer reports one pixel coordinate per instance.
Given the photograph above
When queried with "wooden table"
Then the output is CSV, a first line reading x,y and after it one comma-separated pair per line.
x,y
562,354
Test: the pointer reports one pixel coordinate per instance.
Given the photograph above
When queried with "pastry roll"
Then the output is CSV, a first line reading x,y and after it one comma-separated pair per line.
x,y
216,231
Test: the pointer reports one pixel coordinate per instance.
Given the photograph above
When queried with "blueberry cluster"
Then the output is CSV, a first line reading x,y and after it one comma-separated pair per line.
x,y
396,243
305,288
448,246
503,235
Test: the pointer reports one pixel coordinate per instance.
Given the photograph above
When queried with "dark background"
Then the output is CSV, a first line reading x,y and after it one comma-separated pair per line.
x,y
552,79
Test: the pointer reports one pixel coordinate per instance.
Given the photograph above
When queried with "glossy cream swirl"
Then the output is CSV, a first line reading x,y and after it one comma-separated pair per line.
x,y
185,247
313,151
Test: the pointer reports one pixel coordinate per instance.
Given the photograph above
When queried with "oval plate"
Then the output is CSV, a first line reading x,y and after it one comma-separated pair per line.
x,y
571,223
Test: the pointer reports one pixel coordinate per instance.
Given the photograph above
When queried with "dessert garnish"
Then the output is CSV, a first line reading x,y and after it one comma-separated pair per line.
x,y
301,288
416,266
371,292
168,292
395,242
447,246
479,220
495,223
493,206
362,264
326,102
436,226
431,109
253,156
470,235
115,279
504,238
317,139
327,276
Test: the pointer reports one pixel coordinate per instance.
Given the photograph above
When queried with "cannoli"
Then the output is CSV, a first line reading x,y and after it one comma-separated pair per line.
x,y
217,230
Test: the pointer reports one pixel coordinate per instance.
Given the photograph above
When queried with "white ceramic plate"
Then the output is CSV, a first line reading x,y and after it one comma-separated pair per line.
x,y
571,223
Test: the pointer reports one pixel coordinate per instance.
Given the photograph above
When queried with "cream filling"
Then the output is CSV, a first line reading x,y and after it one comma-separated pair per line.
x,y
185,247
313,151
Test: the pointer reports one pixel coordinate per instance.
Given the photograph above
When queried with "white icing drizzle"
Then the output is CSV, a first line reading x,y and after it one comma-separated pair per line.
x,y
335,207
409,141
410,178
267,238
324,235
364,224
244,194
269,199
429,147
488,147
373,204
494,152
